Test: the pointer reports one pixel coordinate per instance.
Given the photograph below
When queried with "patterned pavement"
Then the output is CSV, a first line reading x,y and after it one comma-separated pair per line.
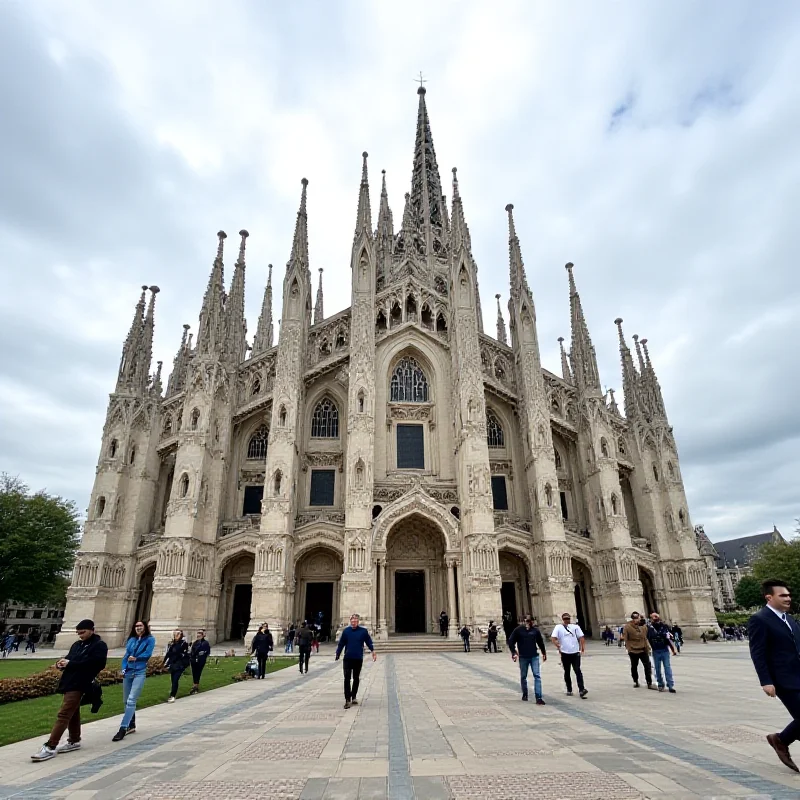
x,y
434,727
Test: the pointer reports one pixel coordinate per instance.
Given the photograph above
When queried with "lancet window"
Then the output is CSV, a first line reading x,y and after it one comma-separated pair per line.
x,y
257,447
494,431
408,383
325,420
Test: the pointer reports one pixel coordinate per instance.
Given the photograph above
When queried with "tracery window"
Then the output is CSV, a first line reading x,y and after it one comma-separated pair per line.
x,y
257,447
325,420
494,431
408,384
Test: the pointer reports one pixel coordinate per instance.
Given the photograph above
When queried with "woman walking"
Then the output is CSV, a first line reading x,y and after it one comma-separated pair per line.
x,y
201,650
138,650
176,659
261,645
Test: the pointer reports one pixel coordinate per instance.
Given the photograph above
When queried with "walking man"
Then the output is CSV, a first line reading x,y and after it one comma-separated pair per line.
x,y
81,666
352,641
659,637
570,643
444,622
491,638
775,650
304,638
526,638
464,633
634,634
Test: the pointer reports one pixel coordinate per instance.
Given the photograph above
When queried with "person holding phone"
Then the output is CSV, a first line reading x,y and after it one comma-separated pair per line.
x,y
570,643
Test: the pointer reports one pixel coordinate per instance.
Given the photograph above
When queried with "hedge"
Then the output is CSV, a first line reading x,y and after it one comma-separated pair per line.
x,y
45,683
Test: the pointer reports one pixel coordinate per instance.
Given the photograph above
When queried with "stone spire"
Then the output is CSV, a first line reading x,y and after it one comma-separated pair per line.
x,y
212,314
460,239
639,354
177,378
299,254
426,185
364,214
384,234
501,323
582,353
146,346
566,372
319,314
630,378
264,331
234,307
129,362
650,379
517,279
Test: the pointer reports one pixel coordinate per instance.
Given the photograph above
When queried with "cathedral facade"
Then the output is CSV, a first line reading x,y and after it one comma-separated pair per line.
x,y
392,459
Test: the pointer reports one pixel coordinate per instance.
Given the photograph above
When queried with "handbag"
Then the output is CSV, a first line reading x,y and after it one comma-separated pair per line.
x,y
93,696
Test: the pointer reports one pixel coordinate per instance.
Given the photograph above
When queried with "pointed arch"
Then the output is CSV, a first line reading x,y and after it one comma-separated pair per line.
x,y
415,502
495,437
325,420
408,383
100,507
257,446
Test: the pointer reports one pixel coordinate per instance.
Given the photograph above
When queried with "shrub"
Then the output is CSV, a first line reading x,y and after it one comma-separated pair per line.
x,y
241,676
45,683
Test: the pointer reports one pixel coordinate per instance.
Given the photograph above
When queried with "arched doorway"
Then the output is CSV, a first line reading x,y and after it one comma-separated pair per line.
x,y
515,590
318,574
144,599
236,597
416,575
648,591
584,597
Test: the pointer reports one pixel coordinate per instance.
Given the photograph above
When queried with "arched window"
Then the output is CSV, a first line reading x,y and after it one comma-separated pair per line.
x,y
183,489
256,388
112,449
257,447
100,507
325,420
408,384
195,419
133,455
494,431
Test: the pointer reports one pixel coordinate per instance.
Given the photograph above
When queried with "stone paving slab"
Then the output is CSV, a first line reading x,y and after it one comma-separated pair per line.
x,y
438,727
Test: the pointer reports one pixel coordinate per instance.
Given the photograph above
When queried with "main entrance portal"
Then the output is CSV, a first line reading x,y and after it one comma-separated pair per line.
x,y
319,606
409,602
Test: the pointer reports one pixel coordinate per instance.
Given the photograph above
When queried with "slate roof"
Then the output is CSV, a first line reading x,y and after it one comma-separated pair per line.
x,y
744,550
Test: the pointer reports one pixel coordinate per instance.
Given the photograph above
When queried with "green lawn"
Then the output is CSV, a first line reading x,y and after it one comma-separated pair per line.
x,y
28,718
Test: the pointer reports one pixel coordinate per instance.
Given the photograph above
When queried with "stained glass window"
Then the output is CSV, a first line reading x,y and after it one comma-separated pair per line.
x,y
325,420
494,431
257,448
408,384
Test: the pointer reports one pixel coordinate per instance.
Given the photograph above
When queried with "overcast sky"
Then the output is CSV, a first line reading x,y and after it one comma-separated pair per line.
x,y
656,147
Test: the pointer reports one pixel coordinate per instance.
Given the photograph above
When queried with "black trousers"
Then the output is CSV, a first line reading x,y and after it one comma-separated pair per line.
x,y
262,664
490,643
176,676
352,669
648,670
572,660
305,654
466,645
791,701
197,671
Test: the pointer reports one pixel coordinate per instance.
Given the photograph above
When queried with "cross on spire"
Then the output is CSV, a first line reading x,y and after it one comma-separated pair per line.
x,y
420,80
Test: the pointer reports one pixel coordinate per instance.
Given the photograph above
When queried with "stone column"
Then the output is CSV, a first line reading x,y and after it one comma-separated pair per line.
x,y
383,628
451,596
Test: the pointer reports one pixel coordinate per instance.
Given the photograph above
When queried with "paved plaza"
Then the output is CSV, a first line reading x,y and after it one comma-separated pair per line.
x,y
437,726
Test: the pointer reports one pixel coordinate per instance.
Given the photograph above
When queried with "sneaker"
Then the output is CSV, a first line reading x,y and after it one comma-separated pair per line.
x,y
651,686
354,702
119,735
525,698
660,688
569,694
45,754
68,747
672,691
131,729
347,704
170,699
636,685
540,702
583,693
194,690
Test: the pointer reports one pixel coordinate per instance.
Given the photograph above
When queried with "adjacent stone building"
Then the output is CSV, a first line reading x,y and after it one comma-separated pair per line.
x,y
392,459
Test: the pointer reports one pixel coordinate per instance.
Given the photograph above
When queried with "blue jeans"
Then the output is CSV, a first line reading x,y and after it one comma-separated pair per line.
x,y
661,658
289,646
533,663
132,685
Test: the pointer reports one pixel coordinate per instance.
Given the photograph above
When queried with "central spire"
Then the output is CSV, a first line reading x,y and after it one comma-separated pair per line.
x,y
426,185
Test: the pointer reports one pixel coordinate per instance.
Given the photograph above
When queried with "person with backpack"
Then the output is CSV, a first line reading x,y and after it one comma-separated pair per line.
x,y
198,656
176,660
465,633
260,647
86,658
138,650
570,643
660,639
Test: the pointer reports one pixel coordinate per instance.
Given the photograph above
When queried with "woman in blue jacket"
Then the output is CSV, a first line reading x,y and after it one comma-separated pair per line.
x,y
138,650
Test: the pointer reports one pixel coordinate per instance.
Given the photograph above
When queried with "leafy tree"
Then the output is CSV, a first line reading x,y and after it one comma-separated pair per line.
x,y
748,592
38,540
782,562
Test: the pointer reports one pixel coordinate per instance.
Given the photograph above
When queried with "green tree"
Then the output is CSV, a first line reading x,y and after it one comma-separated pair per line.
x,y
782,562
38,540
748,592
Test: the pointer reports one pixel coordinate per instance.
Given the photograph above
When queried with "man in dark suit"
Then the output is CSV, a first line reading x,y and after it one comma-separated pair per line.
x,y
775,650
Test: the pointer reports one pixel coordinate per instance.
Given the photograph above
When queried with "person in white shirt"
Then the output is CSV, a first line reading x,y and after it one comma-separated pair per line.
x,y
569,641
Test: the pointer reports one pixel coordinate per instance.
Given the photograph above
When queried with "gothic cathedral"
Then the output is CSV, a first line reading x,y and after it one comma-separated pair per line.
x,y
392,459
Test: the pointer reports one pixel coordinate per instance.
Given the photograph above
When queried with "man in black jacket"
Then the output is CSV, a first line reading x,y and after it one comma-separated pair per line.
x,y
304,638
81,666
775,650
526,638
